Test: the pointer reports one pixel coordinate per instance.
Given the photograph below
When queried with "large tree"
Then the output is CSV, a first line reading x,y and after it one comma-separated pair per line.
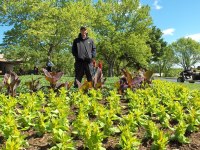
x,y
123,29
44,27
187,51
120,29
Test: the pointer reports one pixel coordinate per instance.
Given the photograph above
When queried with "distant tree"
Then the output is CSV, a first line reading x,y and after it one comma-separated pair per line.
x,y
187,51
166,61
156,43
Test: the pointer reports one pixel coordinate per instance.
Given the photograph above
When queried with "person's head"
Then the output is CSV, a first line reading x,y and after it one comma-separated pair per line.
x,y
83,31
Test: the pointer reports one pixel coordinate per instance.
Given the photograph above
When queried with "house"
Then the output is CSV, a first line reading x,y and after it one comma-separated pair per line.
x,y
7,65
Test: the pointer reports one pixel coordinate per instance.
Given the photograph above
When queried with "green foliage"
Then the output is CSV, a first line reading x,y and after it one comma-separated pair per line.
x,y
160,141
187,51
163,112
122,43
165,62
42,29
156,43
122,31
193,120
128,140
114,102
89,132
173,72
33,85
63,139
179,134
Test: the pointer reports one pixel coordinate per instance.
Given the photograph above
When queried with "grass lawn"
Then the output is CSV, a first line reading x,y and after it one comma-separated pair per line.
x,y
191,86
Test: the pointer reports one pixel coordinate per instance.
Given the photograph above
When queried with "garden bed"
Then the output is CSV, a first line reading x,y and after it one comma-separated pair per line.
x,y
103,119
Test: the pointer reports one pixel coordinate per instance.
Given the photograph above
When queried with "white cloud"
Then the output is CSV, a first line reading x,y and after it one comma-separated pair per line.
x,y
169,31
195,37
156,5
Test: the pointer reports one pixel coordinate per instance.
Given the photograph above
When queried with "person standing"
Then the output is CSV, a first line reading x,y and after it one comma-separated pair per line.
x,y
83,50
35,70
49,65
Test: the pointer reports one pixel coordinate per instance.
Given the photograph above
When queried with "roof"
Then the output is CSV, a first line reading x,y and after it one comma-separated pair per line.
x,y
2,57
4,60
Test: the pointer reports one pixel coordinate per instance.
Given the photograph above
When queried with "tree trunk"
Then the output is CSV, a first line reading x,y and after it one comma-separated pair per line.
x,y
160,70
51,46
111,69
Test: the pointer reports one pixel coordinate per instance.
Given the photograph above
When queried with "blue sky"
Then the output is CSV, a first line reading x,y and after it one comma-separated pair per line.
x,y
175,18
2,30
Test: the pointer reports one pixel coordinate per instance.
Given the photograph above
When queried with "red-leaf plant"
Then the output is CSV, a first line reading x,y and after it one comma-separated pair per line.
x,y
11,82
133,81
53,78
33,84
97,78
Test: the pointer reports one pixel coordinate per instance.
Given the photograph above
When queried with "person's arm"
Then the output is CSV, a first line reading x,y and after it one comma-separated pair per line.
x,y
74,48
93,50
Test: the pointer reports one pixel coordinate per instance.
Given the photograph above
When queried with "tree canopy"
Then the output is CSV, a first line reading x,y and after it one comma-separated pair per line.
x,y
123,33
121,30
187,51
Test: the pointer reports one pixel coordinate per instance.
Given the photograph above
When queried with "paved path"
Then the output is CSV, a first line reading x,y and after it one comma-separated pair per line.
x,y
171,79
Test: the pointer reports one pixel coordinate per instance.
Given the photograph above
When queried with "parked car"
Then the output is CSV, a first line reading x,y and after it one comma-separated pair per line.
x,y
190,75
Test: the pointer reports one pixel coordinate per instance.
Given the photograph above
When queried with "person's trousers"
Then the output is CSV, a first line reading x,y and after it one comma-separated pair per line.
x,y
82,68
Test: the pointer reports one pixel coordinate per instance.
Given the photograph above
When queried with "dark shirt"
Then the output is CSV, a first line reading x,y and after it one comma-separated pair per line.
x,y
83,49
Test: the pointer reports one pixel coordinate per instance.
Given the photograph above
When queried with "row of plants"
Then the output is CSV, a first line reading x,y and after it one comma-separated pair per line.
x,y
158,114
11,81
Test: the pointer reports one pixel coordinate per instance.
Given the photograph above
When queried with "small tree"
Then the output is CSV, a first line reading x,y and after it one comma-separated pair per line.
x,y
187,51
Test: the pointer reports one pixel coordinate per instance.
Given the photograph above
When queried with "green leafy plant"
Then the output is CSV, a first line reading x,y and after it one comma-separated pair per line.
x,y
41,124
15,141
193,120
26,118
131,121
179,133
105,120
177,111
127,139
33,84
93,136
151,129
160,141
89,131
62,140
8,125
163,116
114,101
